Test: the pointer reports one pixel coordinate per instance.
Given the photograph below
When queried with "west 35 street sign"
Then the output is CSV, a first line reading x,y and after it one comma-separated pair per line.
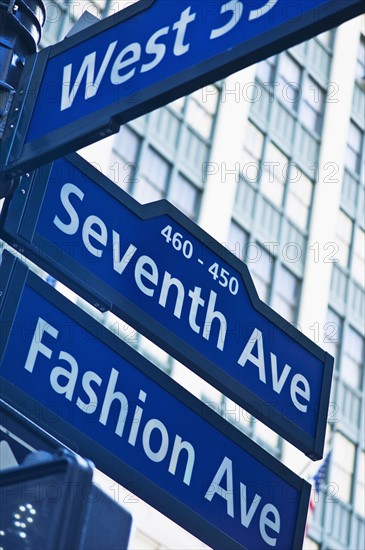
x,y
81,89
155,268
138,425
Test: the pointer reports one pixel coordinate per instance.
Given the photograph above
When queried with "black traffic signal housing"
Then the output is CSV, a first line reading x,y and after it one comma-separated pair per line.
x,y
49,502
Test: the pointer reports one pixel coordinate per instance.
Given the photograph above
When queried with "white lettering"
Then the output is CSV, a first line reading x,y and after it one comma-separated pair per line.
x,y
236,8
167,282
278,382
136,419
259,360
159,455
101,236
37,345
225,469
90,407
88,67
180,445
156,49
209,318
196,302
69,375
180,26
110,396
120,63
119,265
72,226
151,276
302,391
266,522
247,515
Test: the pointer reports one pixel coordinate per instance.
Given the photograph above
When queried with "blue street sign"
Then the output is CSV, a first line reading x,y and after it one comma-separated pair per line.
x,y
139,426
81,90
155,268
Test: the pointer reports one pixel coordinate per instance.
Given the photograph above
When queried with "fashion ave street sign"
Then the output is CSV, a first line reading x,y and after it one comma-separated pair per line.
x,y
138,425
81,89
160,272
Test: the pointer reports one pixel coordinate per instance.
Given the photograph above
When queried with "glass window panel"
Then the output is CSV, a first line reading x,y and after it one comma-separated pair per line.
x,y
237,240
332,333
289,81
207,97
178,104
260,264
360,65
124,168
299,198
311,106
342,466
127,144
360,486
343,237
352,358
155,173
253,141
325,38
199,118
353,150
358,260
184,195
289,69
286,294
266,69
145,192
274,174
155,168
252,152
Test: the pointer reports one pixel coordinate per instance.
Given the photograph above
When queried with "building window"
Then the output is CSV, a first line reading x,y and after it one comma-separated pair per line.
x,y
299,198
153,177
353,149
178,104
124,169
237,241
185,196
286,294
311,106
343,238
289,78
326,38
358,257
274,174
342,467
360,486
200,110
352,358
332,333
266,70
360,63
252,153
260,264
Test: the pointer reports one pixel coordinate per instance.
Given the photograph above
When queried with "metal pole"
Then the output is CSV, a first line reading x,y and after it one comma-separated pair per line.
x,y
21,24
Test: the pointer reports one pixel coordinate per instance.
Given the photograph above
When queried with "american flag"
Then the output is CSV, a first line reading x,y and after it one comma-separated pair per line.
x,y
317,483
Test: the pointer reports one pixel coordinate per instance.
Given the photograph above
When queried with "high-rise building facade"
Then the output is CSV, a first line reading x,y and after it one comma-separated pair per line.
x,y
270,162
